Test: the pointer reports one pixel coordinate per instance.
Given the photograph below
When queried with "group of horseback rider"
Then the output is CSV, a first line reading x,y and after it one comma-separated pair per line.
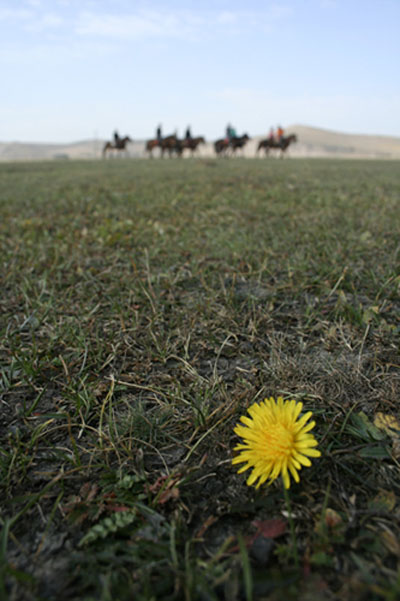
x,y
188,134
229,144
117,140
173,144
273,136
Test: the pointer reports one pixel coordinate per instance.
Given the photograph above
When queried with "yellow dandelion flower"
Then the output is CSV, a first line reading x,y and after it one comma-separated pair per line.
x,y
275,441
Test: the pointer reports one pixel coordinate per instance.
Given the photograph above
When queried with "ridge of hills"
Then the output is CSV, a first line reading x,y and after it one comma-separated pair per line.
x,y
312,142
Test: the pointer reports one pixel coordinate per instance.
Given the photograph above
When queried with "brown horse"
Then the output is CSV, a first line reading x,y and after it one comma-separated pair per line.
x,y
238,142
119,145
192,143
221,147
271,144
168,144
150,145
171,144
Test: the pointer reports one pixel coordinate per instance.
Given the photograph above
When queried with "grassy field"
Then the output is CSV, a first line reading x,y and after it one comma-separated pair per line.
x,y
144,306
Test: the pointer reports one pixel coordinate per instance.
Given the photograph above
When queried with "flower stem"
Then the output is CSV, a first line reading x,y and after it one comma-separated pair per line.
x,y
291,524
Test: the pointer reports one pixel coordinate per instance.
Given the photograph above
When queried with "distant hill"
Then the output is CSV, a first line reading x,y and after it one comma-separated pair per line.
x,y
312,142
322,142
21,151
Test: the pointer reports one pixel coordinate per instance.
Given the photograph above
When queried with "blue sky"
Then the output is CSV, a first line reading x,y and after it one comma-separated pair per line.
x,y
75,69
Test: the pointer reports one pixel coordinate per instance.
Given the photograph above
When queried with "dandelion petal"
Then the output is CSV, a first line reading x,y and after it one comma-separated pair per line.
x,y
276,441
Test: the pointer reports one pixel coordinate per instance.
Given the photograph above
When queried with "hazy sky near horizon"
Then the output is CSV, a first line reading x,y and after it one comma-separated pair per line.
x,y
77,69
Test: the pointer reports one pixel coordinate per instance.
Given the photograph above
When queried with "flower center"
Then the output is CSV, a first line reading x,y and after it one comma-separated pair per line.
x,y
279,441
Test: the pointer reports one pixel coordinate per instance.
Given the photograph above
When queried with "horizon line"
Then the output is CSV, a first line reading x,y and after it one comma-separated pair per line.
x,y
138,140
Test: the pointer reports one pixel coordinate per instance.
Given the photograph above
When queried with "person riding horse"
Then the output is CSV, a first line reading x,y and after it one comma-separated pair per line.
x,y
230,143
230,132
271,135
169,144
117,143
188,134
273,144
238,142
159,135
279,135
191,143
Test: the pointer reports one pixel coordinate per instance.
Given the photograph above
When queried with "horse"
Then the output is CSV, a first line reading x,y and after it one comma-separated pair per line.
x,y
238,142
168,144
192,143
282,145
221,147
119,145
150,145
171,144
